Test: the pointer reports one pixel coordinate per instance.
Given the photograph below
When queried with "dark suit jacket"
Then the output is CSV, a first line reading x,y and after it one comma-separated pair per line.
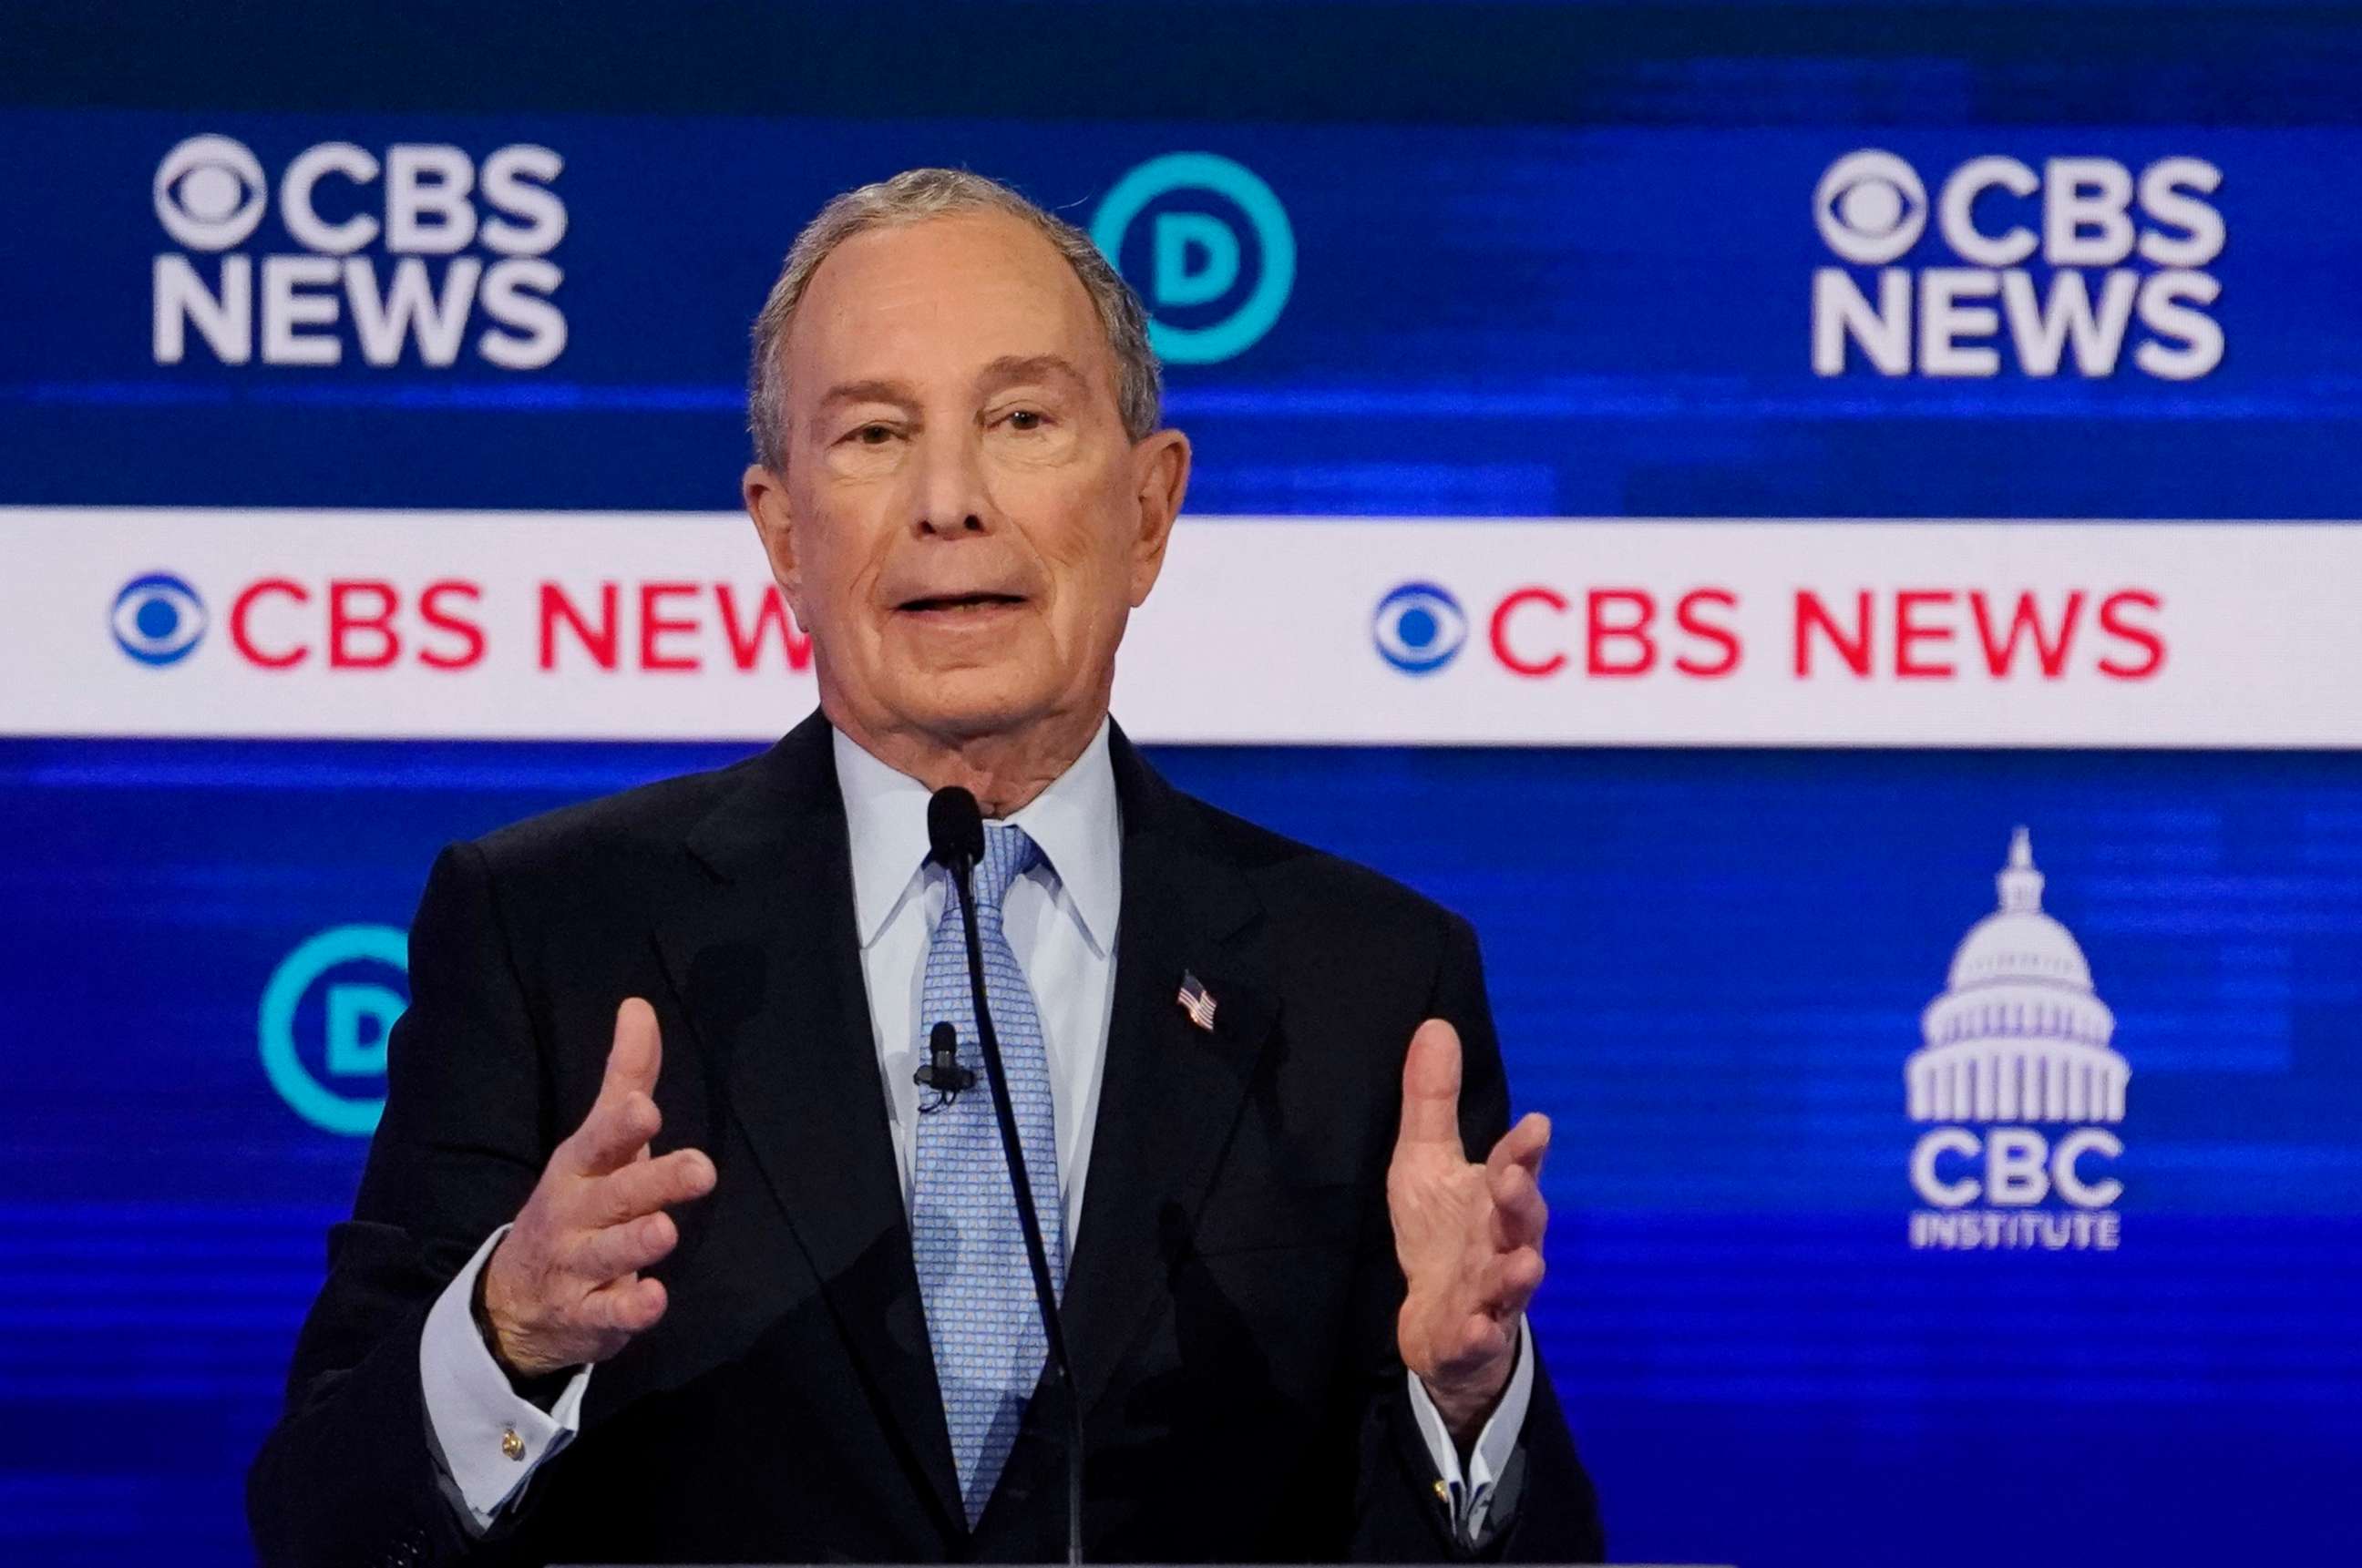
x,y
1230,1299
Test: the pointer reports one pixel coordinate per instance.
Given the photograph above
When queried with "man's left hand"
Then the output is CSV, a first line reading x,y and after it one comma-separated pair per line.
x,y
1469,1237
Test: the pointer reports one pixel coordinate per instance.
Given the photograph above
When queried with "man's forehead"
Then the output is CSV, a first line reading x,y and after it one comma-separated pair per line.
x,y
983,284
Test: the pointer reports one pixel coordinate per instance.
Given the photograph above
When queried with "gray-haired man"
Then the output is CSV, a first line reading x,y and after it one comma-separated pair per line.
x,y
662,1255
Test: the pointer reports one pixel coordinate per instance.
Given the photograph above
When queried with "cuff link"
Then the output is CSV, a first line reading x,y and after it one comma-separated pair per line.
x,y
512,1444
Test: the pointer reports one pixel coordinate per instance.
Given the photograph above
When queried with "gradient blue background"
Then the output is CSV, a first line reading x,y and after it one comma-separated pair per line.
x,y
1552,261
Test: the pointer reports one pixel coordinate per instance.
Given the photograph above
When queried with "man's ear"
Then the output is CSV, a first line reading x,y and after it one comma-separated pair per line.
x,y
1160,467
767,503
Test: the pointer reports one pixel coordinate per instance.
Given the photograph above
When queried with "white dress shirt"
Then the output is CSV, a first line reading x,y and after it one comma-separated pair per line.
x,y
1060,920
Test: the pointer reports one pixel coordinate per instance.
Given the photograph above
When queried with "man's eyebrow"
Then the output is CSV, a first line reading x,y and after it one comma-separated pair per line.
x,y
866,392
1011,367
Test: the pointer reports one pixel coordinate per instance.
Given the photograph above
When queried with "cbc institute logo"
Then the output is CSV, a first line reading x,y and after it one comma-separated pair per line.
x,y
2021,1087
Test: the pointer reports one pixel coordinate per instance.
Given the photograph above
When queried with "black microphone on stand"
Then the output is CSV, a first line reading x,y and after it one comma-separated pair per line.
x,y
955,840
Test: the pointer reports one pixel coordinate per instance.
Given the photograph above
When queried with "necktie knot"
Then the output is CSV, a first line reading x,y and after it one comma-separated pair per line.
x,y
1008,853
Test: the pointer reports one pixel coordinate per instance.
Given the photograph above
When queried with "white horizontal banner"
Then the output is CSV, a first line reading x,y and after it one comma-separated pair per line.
x,y
1445,631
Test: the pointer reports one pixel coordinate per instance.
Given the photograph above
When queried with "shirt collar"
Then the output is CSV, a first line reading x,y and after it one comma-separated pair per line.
x,y
1075,820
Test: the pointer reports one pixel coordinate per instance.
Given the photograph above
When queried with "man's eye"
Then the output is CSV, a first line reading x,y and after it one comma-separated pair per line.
x,y
1025,419
872,435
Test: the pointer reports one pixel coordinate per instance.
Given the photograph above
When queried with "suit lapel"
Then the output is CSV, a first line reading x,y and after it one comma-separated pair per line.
x,y
767,961
1171,1091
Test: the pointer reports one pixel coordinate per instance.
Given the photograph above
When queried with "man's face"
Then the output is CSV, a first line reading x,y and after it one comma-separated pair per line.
x,y
963,526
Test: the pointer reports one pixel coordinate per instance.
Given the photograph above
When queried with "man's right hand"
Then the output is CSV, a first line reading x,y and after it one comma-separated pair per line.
x,y
563,1288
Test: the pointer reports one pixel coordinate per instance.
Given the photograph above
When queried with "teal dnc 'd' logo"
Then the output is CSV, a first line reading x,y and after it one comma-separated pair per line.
x,y
335,986
1209,297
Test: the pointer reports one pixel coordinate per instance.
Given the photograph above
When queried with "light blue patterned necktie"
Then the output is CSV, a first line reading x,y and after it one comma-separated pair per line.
x,y
973,1277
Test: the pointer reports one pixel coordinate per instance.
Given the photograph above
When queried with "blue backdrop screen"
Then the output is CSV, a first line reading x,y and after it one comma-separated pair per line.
x,y
1784,1336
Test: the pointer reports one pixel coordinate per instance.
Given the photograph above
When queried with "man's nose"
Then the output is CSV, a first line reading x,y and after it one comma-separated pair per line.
x,y
953,498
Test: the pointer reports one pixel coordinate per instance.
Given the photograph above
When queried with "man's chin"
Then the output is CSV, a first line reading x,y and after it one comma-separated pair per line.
x,y
970,704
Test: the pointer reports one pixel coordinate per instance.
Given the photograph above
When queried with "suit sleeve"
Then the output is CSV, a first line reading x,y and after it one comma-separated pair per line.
x,y
1545,1509
350,1475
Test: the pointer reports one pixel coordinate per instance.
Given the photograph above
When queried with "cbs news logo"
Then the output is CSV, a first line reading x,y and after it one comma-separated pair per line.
x,y
389,254
2115,249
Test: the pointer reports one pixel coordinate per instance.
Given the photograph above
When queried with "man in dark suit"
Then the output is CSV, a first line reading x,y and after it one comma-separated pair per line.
x,y
662,1255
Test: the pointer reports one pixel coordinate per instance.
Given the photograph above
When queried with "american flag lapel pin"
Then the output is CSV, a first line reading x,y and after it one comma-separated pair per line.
x,y
1197,1002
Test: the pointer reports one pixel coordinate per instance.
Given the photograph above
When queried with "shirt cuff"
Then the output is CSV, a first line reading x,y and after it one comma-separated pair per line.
x,y
490,1438
1470,1494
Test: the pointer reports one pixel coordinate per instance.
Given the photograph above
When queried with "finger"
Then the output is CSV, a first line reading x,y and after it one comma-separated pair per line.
x,y
1519,1213
637,1051
1509,1283
1523,1145
646,1185
615,1133
616,1127
628,1306
1430,1107
614,1250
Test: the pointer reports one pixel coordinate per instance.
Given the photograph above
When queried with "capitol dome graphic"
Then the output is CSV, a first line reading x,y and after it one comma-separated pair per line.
x,y
2018,1035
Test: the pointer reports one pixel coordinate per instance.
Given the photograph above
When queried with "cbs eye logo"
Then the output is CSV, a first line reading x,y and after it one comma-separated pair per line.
x,y
209,193
157,619
1205,301
1418,628
1870,207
